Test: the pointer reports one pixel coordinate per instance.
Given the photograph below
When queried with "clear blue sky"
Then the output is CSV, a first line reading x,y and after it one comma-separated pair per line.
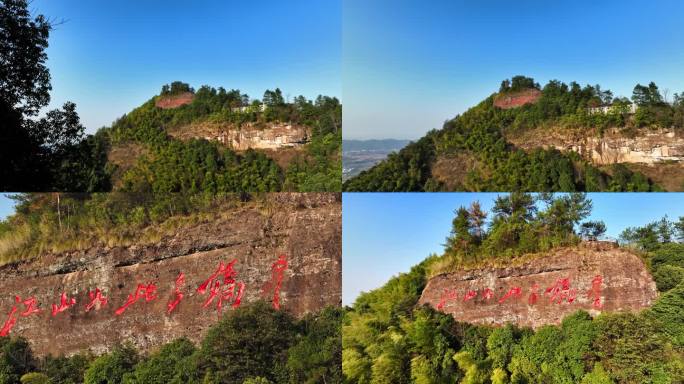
x,y
410,65
384,234
6,206
111,56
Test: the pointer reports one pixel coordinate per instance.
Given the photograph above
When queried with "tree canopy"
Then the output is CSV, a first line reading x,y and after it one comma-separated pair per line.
x,y
44,153
255,344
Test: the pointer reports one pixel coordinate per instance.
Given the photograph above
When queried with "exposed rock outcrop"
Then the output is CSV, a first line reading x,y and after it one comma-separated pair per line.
x,y
647,146
250,135
517,99
594,277
305,228
175,101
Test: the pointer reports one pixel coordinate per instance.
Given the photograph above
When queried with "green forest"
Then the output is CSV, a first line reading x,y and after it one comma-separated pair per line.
x,y
49,150
478,136
388,338
199,165
253,345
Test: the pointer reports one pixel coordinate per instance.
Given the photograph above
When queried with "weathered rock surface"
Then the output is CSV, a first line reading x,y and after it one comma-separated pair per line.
x,y
594,276
250,135
517,99
306,228
647,147
170,102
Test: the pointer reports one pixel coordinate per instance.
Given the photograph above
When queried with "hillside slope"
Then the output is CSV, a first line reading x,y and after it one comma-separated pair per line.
x,y
504,144
223,141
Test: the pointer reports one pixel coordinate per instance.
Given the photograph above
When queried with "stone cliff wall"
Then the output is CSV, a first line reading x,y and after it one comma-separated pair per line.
x,y
273,137
170,102
594,277
269,136
648,147
305,228
517,99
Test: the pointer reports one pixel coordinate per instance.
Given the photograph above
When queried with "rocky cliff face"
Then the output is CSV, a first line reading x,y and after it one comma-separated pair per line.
x,y
287,252
648,147
175,101
269,136
517,99
594,276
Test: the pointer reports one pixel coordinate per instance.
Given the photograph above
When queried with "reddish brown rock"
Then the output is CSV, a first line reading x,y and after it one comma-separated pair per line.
x,y
175,101
517,99
595,277
306,228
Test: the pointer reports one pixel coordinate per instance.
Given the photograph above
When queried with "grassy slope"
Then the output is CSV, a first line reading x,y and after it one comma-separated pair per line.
x,y
24,236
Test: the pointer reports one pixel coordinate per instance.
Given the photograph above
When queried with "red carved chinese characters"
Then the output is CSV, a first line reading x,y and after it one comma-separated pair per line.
x,y
470,295
534,294
142,291
515,291
11,320
64,304
229,284
277,270
488,294
447,295
227,294
595,291
561,291
180,281
31,307
228,274
97,301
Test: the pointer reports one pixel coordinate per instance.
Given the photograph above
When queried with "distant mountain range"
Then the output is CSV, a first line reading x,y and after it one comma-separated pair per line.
x,y
359,155
374,145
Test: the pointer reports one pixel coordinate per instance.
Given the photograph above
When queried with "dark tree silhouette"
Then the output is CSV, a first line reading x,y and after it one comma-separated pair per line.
x,y
32,151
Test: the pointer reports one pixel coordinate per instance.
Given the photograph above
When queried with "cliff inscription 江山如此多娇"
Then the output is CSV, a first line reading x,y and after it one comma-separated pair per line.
x,y
594,277
93,299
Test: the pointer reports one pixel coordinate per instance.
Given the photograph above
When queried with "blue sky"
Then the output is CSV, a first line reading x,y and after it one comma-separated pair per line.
x,y
111,56
410,65
384,234
6,206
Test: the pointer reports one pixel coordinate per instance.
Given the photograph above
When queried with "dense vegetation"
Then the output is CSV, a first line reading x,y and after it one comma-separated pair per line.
x,y
52,153
520,224
59,221
255,344
479,135
39,153
661,241
387,338
200,165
